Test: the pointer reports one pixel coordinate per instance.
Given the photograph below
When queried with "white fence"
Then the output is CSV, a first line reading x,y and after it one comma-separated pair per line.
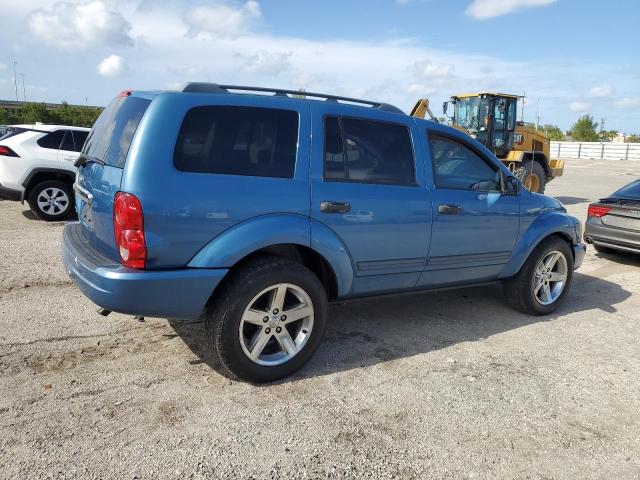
x,y
596,150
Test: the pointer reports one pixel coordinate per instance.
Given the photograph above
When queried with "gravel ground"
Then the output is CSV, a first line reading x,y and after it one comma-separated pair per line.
x,y
435,385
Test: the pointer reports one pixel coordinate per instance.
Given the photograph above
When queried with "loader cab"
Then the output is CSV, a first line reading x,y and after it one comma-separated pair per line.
x,y
487,117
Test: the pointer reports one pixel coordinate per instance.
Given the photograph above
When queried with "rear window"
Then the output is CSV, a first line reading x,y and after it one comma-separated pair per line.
x,y
632,190
111,136
238,141
8,132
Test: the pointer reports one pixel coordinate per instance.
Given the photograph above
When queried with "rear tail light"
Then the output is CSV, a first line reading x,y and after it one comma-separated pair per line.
x,y
128,226
598,211
7,152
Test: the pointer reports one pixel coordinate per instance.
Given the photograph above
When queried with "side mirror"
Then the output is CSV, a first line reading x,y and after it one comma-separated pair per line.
x,y
510,185
445,106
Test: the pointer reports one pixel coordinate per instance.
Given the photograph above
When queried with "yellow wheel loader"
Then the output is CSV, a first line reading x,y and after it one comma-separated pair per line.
x,y
491,118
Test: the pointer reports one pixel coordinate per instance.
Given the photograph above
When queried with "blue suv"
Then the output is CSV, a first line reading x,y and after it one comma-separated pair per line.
x,y
254,208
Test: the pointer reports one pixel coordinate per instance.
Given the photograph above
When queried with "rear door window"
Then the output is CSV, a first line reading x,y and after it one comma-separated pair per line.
x,y
79,137
111,136
67,142
52,140
233,140
368,151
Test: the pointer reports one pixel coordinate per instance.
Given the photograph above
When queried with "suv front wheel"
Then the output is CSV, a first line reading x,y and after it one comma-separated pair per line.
x,y
51,200
542,283
267,320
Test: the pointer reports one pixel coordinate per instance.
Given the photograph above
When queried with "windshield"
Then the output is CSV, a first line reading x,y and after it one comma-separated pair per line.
x,y
471,113
111,136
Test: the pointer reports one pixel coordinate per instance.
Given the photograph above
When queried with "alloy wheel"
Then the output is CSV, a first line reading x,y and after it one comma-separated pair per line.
x,y
53,201
550,277
276,324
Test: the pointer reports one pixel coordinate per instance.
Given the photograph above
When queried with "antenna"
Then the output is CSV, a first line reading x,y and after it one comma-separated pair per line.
x,y
537,111
524,94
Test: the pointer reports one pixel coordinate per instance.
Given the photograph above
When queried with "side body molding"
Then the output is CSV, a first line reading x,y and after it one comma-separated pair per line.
x,y
234,244
545,224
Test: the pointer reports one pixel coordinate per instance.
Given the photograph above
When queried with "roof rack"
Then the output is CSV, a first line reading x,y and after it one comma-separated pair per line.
x,y
204,87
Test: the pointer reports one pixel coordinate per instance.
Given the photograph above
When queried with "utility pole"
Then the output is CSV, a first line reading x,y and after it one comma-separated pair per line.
x,y
24,90
537,113
15,79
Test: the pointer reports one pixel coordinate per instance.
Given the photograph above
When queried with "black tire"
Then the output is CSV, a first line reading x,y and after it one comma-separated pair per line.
x,y
519,290
531,167
58,212
224,313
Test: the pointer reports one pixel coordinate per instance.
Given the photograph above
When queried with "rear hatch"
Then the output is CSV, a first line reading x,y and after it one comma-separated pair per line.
x,y
100,168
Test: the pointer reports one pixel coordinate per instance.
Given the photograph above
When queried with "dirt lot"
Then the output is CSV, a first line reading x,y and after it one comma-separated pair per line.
x,y
438,385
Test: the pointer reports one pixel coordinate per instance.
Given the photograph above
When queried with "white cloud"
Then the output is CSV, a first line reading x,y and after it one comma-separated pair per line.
x,y
579,106
421,90
628,102
112,66
267,63
221,19
429,69
67,25
601,91
483,9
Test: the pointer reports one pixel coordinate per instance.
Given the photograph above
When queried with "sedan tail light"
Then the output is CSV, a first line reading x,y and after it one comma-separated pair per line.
x,y
7,152
128,226
598,211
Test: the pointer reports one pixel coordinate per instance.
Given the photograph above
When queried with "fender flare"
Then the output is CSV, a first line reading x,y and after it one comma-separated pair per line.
x,y
548,223
254,234
55,171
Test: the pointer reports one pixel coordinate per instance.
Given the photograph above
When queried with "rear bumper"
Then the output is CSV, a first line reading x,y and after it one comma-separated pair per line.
x,y
10,194
612,237
180,293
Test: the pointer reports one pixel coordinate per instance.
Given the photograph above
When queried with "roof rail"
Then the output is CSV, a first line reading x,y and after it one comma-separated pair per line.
x,y
204,87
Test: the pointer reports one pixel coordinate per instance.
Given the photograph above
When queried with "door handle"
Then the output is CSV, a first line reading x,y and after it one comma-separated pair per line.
x,y
334,207
449,209
70,159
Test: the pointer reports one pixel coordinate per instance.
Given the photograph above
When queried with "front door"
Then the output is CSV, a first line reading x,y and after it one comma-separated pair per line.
x,y
367,189
475,225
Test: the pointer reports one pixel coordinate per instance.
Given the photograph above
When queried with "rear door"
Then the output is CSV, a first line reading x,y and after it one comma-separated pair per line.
x,y
475,225
368,189
70,148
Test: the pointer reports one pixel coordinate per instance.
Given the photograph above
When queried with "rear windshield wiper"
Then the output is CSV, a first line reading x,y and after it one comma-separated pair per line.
x,y
84,159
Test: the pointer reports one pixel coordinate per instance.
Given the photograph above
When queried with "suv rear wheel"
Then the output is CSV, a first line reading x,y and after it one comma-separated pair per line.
x,y
267,321
542,283
51,200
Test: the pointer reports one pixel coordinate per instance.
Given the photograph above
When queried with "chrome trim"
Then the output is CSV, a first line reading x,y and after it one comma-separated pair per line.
x,y
83,192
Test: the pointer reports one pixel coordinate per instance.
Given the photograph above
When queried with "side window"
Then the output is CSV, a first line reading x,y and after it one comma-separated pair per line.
x,y
67,141
458,167
512,113
52,140
238,141
366,151
79,137
334,165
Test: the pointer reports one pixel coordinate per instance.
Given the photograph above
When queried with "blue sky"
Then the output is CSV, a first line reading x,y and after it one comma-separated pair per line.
x,y
570,56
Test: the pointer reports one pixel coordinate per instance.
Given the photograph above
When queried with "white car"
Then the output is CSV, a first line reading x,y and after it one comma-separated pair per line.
x,y
37,165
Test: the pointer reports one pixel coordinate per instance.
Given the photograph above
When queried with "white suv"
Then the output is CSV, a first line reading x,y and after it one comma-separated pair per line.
x,y
37,165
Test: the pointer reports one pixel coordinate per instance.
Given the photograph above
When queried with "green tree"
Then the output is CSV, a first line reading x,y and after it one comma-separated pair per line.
x,y
65,114
633,139
585,129
552,131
